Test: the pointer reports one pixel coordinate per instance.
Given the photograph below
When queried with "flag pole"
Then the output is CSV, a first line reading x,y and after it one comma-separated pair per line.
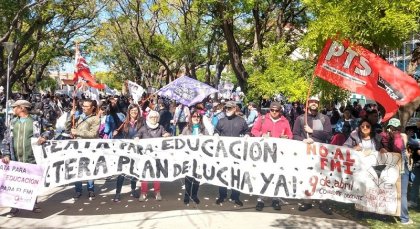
x,y
73,120
307,102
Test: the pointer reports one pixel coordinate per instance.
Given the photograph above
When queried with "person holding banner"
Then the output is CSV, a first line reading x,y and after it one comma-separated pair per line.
x,y
195,126
128,130
364,138
152,129
317,128
231,126
395,141
17,147
85,127
273,124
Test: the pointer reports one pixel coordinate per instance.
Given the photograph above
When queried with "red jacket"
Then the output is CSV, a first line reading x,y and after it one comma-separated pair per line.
x,y
263,124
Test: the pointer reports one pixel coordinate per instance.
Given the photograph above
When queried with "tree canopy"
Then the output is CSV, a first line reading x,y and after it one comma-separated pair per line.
x,y
268,46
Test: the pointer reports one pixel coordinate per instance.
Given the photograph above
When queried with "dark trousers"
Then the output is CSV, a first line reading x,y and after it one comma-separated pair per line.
x,y
181,126
120,182
191,188
223,193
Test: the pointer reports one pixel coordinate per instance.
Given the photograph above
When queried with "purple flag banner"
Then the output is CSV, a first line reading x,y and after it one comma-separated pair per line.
x,y
187,91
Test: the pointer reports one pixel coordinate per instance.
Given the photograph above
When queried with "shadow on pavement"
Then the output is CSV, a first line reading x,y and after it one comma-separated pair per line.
x,y
60,202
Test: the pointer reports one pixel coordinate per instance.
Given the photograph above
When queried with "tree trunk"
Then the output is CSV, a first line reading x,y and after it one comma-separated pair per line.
x,y
258,44
235,53
193,71
405,112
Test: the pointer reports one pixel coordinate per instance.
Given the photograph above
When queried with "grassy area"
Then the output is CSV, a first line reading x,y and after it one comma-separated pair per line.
x,y
375,221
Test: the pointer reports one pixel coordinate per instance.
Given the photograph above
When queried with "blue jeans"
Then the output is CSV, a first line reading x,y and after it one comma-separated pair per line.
x,y
120,182
90,186
404,217
414,195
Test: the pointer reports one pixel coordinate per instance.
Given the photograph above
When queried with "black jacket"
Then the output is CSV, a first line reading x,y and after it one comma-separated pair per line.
x,y
147,132
233,126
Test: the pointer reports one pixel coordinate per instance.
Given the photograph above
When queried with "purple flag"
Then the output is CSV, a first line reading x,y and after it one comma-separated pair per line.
x,y
187,91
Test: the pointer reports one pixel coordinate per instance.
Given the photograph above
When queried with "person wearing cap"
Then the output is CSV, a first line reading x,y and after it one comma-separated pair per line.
x,y
272,124
17,147
395,141
317,129
86,126
230,126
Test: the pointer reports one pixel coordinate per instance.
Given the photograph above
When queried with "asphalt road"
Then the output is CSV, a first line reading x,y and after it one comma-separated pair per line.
x,y
59,210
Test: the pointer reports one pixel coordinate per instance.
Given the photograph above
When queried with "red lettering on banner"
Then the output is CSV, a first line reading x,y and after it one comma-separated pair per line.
x,y
336,162
338,154
310,149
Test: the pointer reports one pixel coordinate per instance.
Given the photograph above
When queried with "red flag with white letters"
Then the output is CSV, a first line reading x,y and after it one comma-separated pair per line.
x,y
358,70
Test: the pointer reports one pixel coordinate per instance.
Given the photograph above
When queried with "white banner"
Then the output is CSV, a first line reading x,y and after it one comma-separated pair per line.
x,y
260,166
19,184
135,90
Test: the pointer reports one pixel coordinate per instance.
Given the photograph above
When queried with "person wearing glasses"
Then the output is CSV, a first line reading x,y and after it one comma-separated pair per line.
x,y
128,130
152,129
195,127
317,128
363,138
230,126
86,126
272,124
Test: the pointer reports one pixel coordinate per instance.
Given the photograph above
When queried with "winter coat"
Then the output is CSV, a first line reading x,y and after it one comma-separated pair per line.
x,y
233,126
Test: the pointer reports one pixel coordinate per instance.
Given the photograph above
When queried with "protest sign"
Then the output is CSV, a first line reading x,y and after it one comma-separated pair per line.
x,y
19,184
136,91
260,166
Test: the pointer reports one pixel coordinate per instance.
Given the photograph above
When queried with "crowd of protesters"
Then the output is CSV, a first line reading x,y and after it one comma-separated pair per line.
x,y
61,117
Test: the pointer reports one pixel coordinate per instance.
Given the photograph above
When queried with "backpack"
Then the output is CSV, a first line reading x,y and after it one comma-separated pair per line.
x,y
182,117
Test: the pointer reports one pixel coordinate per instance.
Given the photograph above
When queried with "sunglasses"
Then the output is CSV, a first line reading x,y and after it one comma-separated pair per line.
x,y
274,110
196,116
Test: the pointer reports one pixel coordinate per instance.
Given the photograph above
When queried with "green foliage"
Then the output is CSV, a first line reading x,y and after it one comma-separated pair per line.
x,y
282,75
47,83
375,24
109,79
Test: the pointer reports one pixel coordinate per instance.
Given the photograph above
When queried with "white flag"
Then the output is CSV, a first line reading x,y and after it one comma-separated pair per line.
x,y
135,90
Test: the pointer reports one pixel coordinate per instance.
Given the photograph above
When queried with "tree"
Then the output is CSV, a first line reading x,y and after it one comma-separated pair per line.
x,y
377,25
41,31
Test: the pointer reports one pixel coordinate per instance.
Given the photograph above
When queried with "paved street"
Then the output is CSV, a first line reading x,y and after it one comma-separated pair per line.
x,y
59,210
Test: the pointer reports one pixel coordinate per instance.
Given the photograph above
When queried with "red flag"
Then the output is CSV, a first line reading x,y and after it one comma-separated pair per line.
x,y
82,71
358,70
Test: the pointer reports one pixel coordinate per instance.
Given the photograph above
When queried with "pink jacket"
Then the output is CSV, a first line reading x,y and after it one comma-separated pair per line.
x,y
277,129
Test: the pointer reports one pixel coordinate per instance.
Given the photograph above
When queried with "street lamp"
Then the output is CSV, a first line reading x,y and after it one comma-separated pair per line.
x,y
9,46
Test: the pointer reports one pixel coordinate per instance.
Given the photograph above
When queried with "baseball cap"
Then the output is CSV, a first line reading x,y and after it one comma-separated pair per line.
x,y
275,105
314,98
22,103
394,122
230,104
